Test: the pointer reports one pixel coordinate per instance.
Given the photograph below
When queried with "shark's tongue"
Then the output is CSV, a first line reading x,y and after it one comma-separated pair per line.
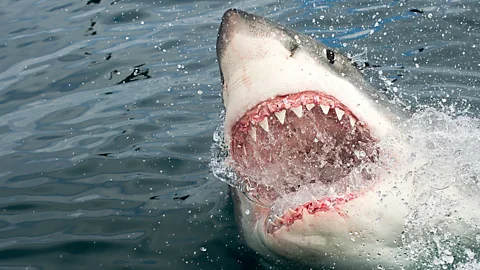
x,y
290,142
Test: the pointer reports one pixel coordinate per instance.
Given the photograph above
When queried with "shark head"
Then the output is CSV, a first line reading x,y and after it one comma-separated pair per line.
x,y
303,129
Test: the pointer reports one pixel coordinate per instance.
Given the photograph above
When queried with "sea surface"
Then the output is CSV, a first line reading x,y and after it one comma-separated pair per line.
x,y
107,110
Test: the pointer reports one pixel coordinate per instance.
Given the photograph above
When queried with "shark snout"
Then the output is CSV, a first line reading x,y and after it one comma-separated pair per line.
x,y
245,39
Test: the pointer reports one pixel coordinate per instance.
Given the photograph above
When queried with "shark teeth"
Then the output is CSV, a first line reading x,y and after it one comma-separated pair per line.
x,y
340,113
325,108
264,124
298,111
281,116
253,133
277,218
352,121
331,192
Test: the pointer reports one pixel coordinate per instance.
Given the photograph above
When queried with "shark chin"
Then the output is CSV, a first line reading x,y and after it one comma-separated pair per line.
x,y
304,135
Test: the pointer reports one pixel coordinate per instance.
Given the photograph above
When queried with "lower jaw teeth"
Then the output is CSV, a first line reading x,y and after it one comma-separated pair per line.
x,y
331,192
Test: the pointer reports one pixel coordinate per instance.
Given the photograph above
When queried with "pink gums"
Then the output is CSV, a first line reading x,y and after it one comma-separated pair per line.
x,y
312,207
268,107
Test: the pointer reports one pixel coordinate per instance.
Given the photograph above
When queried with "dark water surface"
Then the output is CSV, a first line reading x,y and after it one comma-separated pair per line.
x,y
108,109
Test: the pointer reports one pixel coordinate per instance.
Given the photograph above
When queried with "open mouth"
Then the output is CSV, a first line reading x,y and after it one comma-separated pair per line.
x,y
304,141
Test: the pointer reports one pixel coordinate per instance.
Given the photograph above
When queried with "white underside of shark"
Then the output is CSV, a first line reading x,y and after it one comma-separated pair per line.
x,y
263,65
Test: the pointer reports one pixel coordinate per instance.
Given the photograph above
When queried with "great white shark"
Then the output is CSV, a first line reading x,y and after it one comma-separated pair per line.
x,y
305,136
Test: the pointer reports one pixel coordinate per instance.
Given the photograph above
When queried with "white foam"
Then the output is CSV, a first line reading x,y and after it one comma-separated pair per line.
x,y
444,210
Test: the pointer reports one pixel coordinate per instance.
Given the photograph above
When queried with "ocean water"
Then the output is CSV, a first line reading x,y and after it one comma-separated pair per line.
x,y
108,107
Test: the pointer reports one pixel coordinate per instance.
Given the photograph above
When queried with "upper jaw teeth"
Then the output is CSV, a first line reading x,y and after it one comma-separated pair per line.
x,y
352,121
340,113
281,115
325,108
298,111
264,124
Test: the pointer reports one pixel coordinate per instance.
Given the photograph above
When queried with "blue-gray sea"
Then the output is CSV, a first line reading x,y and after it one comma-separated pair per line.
x,y
107,110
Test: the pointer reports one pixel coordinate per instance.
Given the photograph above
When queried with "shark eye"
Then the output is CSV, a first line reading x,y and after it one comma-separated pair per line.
x,y
330,56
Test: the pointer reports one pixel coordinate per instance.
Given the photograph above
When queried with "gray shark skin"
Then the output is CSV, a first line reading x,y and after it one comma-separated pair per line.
x,y
303,130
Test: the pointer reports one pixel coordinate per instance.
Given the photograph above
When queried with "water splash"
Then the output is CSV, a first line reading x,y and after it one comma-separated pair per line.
x,y
442,228
440,157
220,160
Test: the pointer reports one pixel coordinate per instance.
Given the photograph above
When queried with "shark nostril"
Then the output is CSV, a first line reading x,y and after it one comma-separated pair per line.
x,y
293,48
